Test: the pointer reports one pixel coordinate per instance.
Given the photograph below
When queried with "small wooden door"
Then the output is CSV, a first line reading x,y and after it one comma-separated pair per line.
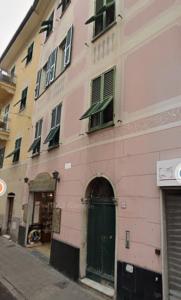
x,y
101,239
10,213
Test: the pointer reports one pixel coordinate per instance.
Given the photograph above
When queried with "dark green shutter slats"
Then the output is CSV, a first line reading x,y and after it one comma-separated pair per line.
x,y
34,144
38,81
99,5
103,104
51,134
17,148
96,90
97,107
53,59
90,111
51,67
106,7
108,84
68,47
102,94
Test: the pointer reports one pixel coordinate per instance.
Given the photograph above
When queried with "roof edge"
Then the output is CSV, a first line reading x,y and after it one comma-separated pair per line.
x,y
18,31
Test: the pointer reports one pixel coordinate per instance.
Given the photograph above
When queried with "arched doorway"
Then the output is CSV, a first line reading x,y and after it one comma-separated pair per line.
x,y
101,231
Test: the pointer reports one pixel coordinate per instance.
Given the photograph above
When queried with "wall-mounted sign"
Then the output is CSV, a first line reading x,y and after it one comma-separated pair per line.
x,y
42,183
68,166
169,172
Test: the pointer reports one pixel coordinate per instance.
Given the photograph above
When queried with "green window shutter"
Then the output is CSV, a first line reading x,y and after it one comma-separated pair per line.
x,y
58,114
11,154
90,111
53,122
30,53
38,81
23,98
52,65
96,90
51,134
18,143
108,84
99,5
68,47
36,129
48,71
35,144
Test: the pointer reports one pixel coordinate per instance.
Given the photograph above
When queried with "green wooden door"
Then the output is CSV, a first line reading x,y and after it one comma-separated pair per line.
x,y
101,240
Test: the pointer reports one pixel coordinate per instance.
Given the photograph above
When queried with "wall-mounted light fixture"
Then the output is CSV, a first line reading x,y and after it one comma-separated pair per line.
x,y
26,179
56,176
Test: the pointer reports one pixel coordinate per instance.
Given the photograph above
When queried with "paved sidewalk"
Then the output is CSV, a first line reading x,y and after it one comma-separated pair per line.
x,y
28,277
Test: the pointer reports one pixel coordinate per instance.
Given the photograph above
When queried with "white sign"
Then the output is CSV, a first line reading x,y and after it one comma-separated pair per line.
x,y
68,166
3,187
129,268
169,172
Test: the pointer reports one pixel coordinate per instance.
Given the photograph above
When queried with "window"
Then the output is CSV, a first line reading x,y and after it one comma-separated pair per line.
x,y
101,111
29,55
38,82
65,49
104,15
64,4
23,99
13,71
16,152
6,116
53,136
35,147
47,25
51,67
2,150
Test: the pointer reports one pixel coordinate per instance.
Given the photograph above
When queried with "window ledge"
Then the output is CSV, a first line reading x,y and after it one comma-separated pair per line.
x,y
22,109
53,147
47,37
104,31
35,154
107,125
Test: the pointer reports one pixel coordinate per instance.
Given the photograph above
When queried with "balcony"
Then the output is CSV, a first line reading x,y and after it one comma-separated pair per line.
x,y
7,86
4,131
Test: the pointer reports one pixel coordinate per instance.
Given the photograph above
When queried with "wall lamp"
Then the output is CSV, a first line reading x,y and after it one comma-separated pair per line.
x,y
56,176
26,179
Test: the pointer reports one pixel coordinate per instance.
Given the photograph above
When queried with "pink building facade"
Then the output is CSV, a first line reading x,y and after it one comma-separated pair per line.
x,y
111,115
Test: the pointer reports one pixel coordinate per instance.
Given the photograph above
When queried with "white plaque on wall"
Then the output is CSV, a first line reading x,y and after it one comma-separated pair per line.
x,y
68,166
169,172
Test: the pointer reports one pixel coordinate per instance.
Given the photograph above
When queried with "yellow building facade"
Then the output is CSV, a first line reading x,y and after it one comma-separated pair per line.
x,y
18,69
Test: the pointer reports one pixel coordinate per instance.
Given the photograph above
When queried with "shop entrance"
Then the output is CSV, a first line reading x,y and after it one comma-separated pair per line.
x,y
101,232
40,230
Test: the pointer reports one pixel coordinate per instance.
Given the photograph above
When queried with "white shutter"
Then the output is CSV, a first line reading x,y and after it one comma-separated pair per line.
x,y
68,47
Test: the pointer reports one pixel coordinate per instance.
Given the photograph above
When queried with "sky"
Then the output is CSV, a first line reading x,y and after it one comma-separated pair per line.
x,y
12,12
